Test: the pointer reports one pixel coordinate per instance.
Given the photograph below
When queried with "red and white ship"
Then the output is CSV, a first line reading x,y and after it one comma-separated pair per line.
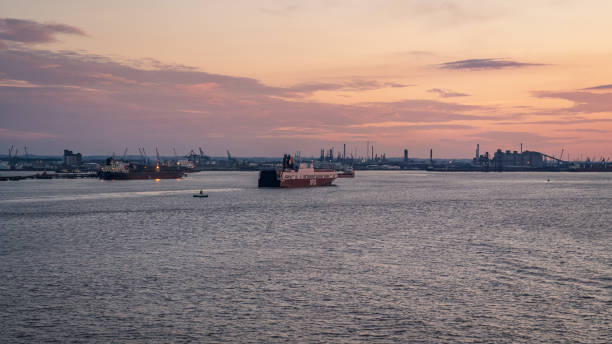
x,y
289,177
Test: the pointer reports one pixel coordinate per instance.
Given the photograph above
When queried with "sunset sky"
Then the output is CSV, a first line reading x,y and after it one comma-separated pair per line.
x,y
262,78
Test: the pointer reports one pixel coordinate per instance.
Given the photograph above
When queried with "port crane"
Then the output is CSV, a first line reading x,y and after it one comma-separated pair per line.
x,y
12,157
196,158
231,160
143,154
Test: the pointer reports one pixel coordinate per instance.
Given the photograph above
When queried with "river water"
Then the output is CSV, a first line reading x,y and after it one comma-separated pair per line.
x,y
386,257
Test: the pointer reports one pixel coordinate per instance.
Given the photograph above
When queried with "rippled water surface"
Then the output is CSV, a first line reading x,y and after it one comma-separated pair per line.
x,y
385,257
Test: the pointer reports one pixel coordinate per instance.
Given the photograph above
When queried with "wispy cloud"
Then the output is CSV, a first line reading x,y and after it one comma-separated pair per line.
x,y
509,138
442,13
280,12
21,134
600,87
486,64
563,121
584,130
28,31
446,93
351,85
412,54
420,126
584,102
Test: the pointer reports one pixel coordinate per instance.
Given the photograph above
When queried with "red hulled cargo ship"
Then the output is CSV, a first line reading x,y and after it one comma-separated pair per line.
x,y
289,177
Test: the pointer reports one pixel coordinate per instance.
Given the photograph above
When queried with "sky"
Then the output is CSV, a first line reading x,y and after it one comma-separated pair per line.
x,y
263,78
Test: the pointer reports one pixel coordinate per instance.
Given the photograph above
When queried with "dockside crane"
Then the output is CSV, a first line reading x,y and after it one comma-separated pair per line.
x,y
192,157
231,161
157,155
12,166
176,157
10,158
124,154
144,155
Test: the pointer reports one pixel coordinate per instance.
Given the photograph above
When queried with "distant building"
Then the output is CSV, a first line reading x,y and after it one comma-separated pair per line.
x,y
71,159
533,159
527,159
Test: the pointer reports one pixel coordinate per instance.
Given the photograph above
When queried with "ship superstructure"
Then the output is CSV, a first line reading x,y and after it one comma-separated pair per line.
x,y
115,169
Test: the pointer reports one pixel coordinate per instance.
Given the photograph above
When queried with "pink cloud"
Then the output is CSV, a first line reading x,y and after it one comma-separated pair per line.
x,y
349,85
446,93
486,64
20,134
102,105
584,102
28,31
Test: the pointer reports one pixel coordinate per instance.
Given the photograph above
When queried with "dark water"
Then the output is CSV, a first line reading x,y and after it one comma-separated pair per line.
x,y
385,257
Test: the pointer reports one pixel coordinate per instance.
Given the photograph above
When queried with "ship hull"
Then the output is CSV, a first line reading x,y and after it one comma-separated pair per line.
x,y
268,179
304,183
346,175
140,175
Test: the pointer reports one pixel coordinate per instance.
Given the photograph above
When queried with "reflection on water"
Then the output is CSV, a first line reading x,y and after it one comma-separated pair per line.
x,y
109,195
385,257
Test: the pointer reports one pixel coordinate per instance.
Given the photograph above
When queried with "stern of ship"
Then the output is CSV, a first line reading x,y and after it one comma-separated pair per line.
x,y
268,179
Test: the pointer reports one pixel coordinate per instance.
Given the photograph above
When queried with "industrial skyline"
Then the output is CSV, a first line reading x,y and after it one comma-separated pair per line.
x,y
267,78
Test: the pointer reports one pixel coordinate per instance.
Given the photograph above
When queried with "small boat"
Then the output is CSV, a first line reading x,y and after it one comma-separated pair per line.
x,y
201,194
346,173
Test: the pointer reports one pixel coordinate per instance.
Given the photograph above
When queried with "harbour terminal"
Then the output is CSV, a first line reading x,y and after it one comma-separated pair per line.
x,y
14,166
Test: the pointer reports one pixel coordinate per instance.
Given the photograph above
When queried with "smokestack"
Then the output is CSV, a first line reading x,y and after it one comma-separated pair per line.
x,y
372,152
405,155
521,147
344,153
431,155
477,150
